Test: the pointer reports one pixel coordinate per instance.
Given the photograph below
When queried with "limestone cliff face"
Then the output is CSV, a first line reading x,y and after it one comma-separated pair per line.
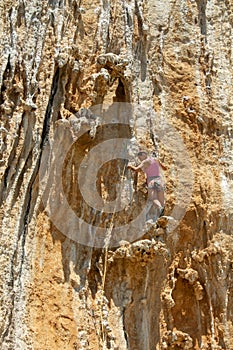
x,y
164,286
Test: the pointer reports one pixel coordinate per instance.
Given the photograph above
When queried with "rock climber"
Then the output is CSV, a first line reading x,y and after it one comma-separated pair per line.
x,y
151,167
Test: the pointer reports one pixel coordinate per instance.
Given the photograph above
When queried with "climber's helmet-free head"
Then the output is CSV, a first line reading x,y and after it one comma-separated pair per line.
x,y
142,155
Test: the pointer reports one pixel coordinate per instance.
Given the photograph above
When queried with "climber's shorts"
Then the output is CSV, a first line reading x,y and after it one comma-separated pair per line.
x,y
156,183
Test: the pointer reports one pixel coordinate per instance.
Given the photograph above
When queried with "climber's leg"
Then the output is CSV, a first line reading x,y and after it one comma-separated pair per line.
x,y
156,192
161,198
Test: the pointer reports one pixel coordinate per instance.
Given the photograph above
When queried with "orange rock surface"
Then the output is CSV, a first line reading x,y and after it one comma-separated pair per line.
x,y
102,79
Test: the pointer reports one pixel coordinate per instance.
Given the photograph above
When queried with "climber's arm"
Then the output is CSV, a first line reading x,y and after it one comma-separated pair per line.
x,y
144,164
162,166
135,168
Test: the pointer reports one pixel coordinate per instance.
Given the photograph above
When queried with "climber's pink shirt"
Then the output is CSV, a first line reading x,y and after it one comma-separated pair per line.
x,y
153,169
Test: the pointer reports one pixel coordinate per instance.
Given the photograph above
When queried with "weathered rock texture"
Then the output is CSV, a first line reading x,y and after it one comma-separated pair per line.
x,y
163,291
